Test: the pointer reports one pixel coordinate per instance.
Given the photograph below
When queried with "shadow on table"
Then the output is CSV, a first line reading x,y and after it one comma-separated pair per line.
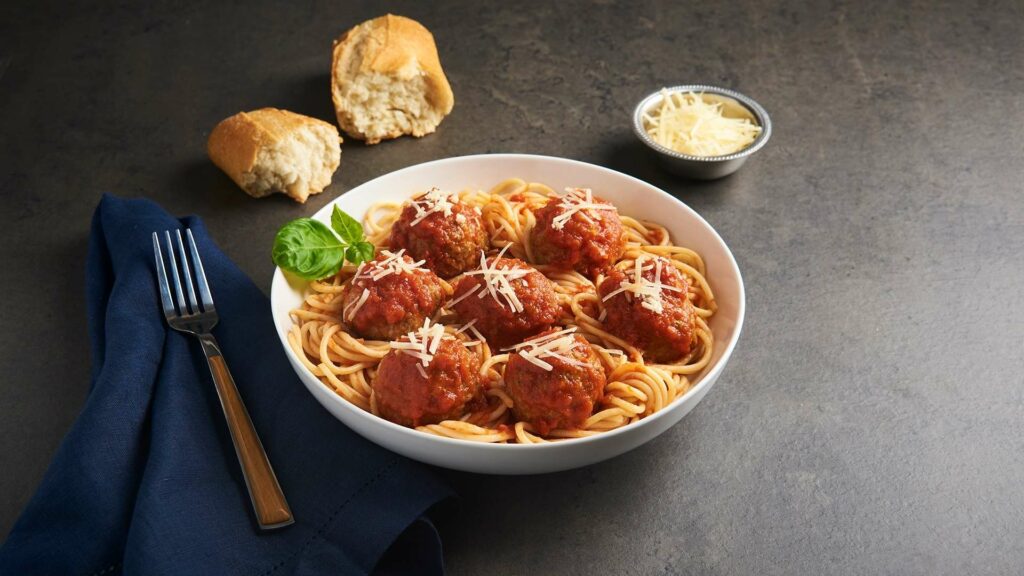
x,y
205,185
561,506
310,96
625,154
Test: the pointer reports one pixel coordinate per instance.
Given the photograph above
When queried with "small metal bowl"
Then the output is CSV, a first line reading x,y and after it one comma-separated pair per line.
x,y
705,167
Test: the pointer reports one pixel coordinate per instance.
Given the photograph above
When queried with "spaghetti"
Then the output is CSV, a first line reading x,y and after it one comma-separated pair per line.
x,y
634,388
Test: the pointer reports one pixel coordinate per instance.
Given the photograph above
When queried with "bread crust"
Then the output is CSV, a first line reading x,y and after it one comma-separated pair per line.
x,y
236,141
392,45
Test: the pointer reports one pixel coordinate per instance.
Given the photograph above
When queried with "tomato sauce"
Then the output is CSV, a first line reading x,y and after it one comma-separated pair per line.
x,y
405,397
664,337
499,324
397,303
586,244
450,244
561,398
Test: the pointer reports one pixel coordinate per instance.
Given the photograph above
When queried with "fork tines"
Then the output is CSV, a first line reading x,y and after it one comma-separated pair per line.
x,y
192,307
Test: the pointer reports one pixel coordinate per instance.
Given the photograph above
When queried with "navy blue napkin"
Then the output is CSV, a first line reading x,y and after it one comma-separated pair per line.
x,y
147,482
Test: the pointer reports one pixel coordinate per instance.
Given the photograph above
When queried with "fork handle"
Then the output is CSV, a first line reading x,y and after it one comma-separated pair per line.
x,y
268,500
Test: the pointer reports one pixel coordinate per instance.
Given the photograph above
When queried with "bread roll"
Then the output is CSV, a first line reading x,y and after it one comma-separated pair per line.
x,y
387,81
271,150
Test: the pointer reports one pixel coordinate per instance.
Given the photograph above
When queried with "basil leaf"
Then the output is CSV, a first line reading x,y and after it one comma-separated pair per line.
x,y
350,230
359,252
308,248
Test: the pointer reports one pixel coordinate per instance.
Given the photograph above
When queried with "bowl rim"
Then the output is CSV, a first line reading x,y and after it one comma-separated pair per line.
x,y
279,281
759,113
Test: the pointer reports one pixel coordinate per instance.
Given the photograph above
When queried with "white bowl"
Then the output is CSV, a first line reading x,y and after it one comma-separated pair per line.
x,y
633,198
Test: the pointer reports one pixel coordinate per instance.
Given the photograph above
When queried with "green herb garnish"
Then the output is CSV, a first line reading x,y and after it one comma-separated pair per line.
x,y
309,249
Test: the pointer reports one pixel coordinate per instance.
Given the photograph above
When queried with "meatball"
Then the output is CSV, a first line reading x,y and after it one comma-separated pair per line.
x,y
439,228
410,394
508,299
563,397
390,296
653,312
572,235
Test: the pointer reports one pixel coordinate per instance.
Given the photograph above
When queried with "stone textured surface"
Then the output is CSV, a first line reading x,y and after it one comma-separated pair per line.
x,y
872,418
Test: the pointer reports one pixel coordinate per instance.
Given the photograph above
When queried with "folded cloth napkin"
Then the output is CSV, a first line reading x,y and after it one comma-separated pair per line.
x,y
147,482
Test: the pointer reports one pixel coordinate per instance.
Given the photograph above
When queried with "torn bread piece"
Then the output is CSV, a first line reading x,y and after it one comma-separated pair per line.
x,y
271,150
386,80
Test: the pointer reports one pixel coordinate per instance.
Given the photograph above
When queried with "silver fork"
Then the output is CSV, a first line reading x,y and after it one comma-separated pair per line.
x,y
268,500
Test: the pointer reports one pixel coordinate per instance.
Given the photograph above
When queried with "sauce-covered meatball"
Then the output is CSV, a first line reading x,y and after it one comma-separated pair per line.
x,y
507,299
411,394
578,232
442,230
563,396
647,306
389,296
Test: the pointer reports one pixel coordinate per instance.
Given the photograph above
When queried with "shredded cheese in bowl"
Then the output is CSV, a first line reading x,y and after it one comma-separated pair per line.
x,y
697,125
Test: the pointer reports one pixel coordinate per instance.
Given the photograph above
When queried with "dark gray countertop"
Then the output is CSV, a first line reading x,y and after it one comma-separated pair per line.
x,y
872,417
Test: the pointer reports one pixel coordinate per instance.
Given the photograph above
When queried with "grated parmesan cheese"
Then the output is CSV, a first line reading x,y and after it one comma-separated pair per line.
x,y
469,326
466,326
688,123
393,263
579,201
555,345
476,333
432,202
422,344
464,296
648,291
350,311
498,281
